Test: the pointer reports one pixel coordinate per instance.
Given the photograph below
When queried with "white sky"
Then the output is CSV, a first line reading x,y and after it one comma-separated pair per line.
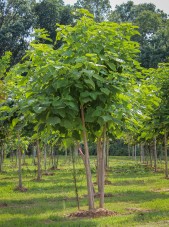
x,y
160,4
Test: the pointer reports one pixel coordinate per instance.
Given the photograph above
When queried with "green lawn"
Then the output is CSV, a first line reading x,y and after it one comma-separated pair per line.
x,y
139,196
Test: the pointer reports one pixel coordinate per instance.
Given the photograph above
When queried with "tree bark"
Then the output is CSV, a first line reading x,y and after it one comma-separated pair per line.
x,y
142,152
75,177
39,161
155,154
150,153
19,164
135,152
34,155
99,148
56,157
165,154
107,153
45,159
129,150
20,167
1,160
102,168
87,163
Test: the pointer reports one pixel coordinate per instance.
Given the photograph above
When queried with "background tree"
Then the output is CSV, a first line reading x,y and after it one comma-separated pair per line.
x,y
99,8
16,21
153,28
50,12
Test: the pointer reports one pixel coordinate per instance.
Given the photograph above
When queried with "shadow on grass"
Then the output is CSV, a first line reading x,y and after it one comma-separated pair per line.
x,y
132,182
53,220
130,171
136,196
30,207
151,216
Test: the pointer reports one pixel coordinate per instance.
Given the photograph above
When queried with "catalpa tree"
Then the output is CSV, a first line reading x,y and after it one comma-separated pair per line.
x,y
82,85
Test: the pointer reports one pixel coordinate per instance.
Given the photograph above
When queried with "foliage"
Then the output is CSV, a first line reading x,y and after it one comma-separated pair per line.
x,y
16,21
48,13
153,28
88,73
4,64
99,8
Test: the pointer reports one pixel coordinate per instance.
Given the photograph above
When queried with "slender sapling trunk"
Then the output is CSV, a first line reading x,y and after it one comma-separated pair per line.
x,y
87,163
39,161
165,154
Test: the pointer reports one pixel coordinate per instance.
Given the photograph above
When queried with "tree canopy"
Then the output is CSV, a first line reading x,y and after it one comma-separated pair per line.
x,y
153,28
16,23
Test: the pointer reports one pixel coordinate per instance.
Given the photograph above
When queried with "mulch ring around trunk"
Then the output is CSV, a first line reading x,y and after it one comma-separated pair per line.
x,y
3,205
21,189
48,174
96,213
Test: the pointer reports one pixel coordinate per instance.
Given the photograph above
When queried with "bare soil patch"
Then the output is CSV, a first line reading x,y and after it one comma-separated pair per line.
x,y
134,209
107,182
92,213
3,205
48,174
53,168
21,189
162,190
97,195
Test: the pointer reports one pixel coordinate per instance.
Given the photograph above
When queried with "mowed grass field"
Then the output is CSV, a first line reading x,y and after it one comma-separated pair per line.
x,y
137,195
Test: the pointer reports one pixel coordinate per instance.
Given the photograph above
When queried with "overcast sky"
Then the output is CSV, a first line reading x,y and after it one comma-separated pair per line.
x,y
160,4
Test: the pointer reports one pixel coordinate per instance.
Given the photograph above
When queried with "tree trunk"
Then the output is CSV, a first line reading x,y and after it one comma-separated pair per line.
x,y
87,163
34,155
45,159
107,153
142,153
75,177
65,152
165,154
1,160
135,152
155,154
54,159
102,169
20,167
129,150
12,155
39,164
99,148
16,160
150,153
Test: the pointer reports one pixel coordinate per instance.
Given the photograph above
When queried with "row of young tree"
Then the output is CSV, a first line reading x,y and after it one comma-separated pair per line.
x,y
90,88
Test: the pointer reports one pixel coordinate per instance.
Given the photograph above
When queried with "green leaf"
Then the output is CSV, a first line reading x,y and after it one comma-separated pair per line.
x,y
90,83
96,76
5,108
105,91
39,109
112,66
53,120
107,118
14,122
28,94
